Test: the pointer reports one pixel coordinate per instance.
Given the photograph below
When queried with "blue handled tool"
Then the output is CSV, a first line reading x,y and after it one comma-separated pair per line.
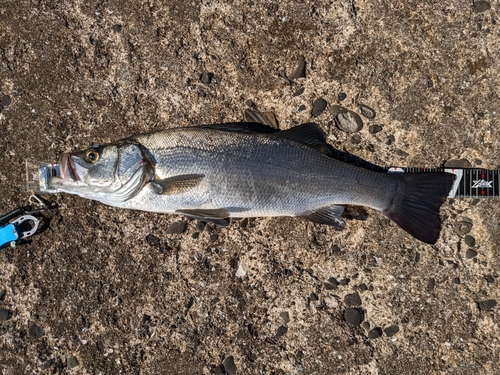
x,y
12,232
26,223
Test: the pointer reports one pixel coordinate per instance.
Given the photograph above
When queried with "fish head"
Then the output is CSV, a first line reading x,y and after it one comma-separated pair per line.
x,y
111,173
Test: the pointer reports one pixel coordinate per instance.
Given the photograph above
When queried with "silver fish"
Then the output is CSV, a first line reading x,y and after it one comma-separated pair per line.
x,y
213,172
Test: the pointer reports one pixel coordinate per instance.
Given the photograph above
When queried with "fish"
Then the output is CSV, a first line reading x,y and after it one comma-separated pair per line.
x,y
238,170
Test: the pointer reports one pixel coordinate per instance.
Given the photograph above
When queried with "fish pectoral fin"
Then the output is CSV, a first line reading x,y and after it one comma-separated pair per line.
x,y
215,216
309,134
177,184
329,215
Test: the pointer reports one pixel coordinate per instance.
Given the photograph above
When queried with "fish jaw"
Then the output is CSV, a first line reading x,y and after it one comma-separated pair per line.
x,y
71,171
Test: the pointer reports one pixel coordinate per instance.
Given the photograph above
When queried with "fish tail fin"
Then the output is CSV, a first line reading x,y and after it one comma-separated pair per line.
x,y
415,207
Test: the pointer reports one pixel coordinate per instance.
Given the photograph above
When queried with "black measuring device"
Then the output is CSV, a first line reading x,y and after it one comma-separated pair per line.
x,y
470,182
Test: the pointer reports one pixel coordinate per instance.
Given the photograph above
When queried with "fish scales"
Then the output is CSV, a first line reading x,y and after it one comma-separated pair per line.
x,y
259,174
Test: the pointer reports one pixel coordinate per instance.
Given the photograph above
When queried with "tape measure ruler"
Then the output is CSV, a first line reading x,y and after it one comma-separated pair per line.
x,y
470,182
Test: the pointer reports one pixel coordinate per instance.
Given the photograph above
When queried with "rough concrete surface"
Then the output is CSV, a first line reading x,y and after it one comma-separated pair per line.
x,y
109,291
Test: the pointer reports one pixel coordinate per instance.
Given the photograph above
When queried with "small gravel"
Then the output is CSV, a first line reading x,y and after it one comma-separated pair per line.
x,y
35,331
300,70
391,330
487,304
229,365
375,333
353,316
469,254
318,106
352,300
72,362
177,227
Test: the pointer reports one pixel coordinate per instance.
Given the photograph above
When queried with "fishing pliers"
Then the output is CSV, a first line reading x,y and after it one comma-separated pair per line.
x,y
26,223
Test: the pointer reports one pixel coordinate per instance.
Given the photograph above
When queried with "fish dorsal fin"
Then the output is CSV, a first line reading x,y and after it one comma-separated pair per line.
x,y
265,118
309,134
241,127
215,216
176,184
329,215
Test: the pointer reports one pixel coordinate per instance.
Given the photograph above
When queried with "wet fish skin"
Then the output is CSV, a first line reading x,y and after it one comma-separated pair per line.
x,y
244,170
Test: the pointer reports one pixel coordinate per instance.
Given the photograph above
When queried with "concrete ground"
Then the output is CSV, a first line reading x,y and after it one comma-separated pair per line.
x,y
108,291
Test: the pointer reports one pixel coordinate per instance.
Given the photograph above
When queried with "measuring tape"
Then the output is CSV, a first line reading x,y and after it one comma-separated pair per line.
x,y
470,182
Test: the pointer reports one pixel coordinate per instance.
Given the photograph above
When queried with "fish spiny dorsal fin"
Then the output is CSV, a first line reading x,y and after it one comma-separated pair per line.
x,y
309,134
177,184
264,118
329,215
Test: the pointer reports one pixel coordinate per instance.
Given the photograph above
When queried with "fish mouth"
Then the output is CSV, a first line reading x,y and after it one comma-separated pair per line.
x,y
70,171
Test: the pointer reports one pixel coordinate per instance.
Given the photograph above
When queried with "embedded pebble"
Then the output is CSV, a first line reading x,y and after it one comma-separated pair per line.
x,y
337,109
36,331
374,129
285,316
391,330
252,357
401,153
116,28
366,111
152,240
100,346
487,305
375,333
470,241
431,283
300,70
301,108
481,6
366,325
456,280
5,314
282,330
241,271
353,316
469,254
177,227
349,122
352,300
249,103
72,362
463,227
313,297
458,163
5,100
319,105
341,96
489,279
3,292
206,78
229,365
298,92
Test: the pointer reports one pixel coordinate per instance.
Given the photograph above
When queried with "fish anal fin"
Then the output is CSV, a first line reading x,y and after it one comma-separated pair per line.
x,y
176,184
215,216
309,134
329,215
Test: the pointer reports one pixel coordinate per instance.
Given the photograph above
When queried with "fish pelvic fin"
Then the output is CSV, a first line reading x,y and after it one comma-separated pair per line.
x,y
329,215
176,184
415,206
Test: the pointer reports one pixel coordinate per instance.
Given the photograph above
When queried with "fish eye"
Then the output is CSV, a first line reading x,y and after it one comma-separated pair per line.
x,y
92,156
